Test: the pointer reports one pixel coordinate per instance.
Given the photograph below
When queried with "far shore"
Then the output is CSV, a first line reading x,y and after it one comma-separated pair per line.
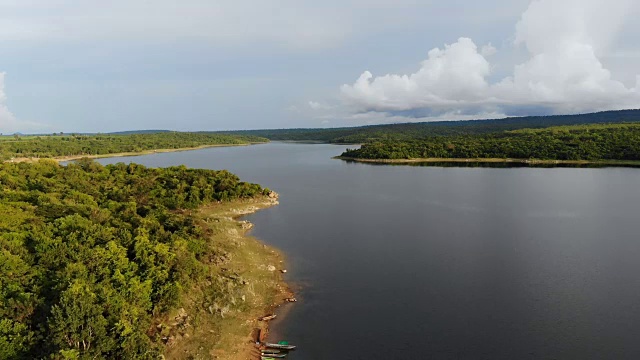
x,y
124,154
494,160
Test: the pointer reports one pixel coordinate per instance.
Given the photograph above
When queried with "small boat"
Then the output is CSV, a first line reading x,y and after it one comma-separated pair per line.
x,y
270,351
274,356
285,346
291,299
268,317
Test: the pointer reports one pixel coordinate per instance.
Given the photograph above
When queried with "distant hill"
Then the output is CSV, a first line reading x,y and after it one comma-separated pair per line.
x,y
405,131
138,132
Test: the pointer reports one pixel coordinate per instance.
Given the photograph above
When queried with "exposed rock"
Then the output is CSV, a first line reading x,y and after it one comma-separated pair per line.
x,y
271,268
169,341
268,317
182,313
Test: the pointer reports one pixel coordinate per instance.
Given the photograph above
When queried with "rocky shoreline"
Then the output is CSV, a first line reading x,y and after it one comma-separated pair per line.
x,y
253,272
493,160
122,154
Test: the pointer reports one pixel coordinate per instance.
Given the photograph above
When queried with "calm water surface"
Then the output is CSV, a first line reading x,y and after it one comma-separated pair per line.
x,y
401,262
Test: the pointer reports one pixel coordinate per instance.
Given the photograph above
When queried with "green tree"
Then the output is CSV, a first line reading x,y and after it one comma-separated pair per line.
x,y
77,322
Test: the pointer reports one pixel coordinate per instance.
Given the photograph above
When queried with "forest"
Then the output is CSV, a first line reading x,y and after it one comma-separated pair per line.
x,y
48,146
89,254
420,130
580,142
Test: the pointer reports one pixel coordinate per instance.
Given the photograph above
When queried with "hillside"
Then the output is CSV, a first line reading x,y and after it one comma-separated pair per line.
x,y
356,135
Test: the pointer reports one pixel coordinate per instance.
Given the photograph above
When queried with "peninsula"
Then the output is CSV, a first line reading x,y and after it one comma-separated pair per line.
x,y
606,144
125,261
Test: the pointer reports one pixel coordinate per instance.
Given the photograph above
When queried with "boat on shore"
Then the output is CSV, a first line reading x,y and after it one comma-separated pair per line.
x,y
273,356
268,317
280,346
270,351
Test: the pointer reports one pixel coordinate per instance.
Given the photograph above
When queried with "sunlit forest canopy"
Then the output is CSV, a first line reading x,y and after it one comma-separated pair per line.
x,y
67,145
89,254
581,142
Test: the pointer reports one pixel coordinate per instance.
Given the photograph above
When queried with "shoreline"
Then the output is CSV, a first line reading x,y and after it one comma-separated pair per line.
x,y
283,289
224,331
493,160
125,154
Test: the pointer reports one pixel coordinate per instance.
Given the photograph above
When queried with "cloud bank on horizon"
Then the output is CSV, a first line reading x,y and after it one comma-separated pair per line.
x,y
7,119
563,74
9,123
202,65
188,65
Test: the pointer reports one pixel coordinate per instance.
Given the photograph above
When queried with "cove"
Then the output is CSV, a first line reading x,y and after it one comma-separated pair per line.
x,y
415,262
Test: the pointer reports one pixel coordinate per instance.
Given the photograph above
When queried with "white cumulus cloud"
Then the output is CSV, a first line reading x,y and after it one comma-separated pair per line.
x,y
451,76
7,119
315,105
563,74
488,50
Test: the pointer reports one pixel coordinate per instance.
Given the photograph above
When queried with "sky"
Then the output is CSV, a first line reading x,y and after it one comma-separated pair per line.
x,y
100,66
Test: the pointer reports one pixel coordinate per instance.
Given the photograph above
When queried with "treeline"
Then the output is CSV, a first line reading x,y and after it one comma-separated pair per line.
x,y
67,145
583,142
90,253
409,131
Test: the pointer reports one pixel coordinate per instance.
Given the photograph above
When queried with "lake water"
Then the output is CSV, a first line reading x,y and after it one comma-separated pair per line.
x,y
404,262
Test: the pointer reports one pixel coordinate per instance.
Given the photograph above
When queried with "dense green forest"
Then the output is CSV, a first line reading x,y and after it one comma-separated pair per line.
x,y
580,142
90,253
407,131
55,146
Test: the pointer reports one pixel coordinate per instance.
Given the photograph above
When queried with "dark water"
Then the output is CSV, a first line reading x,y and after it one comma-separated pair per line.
x,y
400,262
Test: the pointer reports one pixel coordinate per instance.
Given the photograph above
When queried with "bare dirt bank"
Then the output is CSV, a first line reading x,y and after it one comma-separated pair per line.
x,y
250,285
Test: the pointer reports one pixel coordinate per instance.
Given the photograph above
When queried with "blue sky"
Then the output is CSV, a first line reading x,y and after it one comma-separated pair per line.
x,y
201,65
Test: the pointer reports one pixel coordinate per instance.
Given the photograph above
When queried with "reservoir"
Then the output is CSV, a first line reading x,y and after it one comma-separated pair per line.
x,y
428,262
